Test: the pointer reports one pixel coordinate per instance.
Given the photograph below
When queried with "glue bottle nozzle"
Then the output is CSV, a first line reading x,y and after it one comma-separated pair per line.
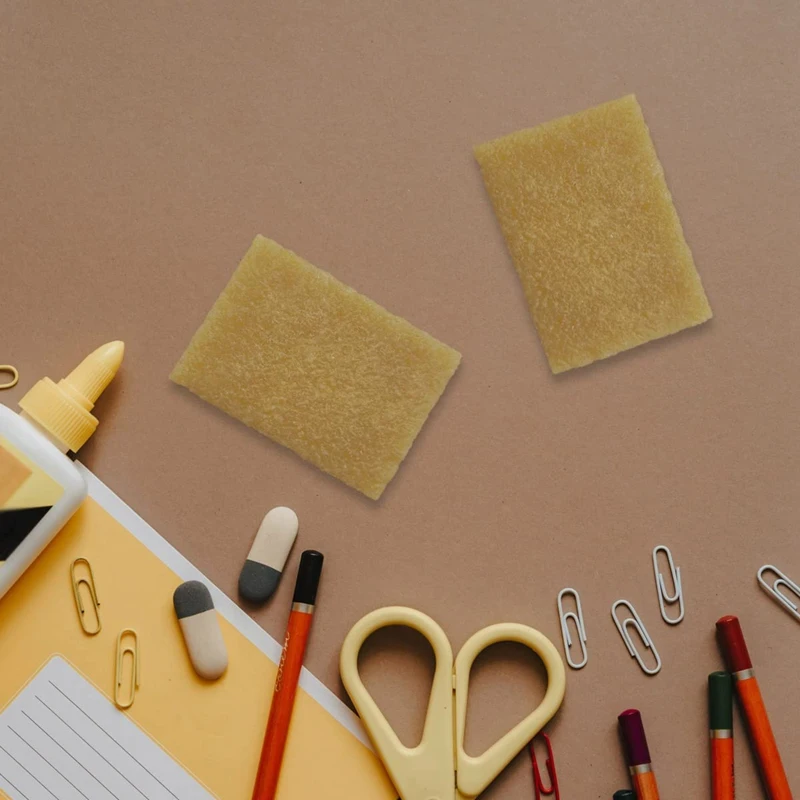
x,y
63,410
88,380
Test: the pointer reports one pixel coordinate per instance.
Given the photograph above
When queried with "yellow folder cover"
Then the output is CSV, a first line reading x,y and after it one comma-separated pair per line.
x,y
214,730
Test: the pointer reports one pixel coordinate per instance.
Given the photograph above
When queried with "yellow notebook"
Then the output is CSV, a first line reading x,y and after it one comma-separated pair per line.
x,y
214,730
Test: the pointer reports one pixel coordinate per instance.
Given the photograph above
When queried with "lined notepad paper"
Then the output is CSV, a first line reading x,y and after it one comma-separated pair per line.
x,y
61,738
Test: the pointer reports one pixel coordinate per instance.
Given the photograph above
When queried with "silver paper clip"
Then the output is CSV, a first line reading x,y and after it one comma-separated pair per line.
x,y
664,598
773,589
577,618
634,621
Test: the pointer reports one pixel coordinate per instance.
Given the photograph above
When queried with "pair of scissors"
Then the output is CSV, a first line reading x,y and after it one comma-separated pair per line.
x,y
438,768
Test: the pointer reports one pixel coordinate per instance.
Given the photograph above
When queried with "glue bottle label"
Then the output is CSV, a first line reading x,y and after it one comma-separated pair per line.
x,y
27,493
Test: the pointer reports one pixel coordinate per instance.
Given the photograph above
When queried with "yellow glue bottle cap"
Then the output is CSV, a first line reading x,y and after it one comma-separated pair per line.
x,y
64,409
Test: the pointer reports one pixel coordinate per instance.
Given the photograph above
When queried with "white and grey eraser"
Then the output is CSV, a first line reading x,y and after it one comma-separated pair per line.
x,y
262,570
200,627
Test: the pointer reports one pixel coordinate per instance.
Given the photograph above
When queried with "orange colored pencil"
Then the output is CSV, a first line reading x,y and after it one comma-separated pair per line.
x,y
645,785
761,735
722,783
720,724
294,647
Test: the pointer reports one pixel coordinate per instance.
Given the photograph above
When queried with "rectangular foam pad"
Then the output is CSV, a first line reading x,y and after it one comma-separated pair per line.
x,y
302,358
595,238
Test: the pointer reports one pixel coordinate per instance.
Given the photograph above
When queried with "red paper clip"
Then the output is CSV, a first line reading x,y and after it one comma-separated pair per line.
x,y
550,764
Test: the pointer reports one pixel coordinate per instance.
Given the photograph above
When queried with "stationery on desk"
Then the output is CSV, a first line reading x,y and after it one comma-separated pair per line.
x,y
363,404
187,718
125,552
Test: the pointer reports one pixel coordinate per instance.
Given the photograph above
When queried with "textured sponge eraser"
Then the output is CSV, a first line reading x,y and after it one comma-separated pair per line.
x,y
309,362
594,236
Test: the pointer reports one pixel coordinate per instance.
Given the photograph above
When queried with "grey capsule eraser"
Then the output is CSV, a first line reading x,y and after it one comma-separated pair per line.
x,y
262,570
202,634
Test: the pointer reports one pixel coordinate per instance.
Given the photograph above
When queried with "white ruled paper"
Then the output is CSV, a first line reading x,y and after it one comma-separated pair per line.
x,y
61,738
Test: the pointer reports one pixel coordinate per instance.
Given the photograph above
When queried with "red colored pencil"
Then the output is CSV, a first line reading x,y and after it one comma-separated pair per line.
x,y
294,647
761,735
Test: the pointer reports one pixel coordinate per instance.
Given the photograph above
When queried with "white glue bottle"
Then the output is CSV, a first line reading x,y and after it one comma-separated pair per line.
x,y
40,487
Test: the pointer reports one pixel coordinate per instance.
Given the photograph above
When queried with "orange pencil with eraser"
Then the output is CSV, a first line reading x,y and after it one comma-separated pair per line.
x,y
761,735
291,663
638,755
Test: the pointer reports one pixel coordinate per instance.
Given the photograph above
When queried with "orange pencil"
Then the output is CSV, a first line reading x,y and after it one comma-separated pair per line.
x,y
720,724
294,647
638,755
761,736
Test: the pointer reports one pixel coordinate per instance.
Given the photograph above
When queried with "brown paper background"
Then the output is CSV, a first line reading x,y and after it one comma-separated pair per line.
x,y
142,146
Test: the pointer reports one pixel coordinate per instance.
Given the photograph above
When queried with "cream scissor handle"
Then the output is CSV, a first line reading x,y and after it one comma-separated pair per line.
x,y
424,772
475,774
